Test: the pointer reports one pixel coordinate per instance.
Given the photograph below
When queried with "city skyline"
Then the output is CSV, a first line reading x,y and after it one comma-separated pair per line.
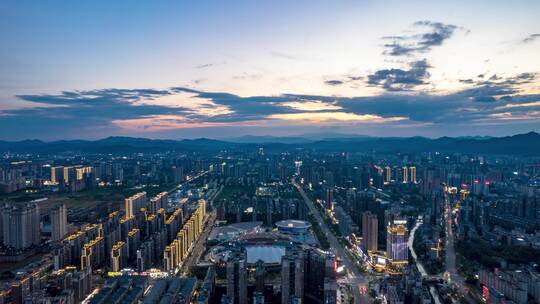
x,y
185,70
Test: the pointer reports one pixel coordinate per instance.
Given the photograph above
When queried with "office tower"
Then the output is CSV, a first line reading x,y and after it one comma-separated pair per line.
x,y
58,216
237,279
388,174
292,276
396,241
405,175
57,175
134,204
412,174
370,231
21,226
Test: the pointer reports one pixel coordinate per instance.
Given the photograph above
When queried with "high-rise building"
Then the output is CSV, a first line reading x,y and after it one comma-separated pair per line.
x,y
21,226
412,174
396,241
157,202
330,291
119,254
178,174
57,175
58,216
134,204
320,268
370,231
387,174
292,277
237,279
69,174
82,172
260,273
329,197
405,175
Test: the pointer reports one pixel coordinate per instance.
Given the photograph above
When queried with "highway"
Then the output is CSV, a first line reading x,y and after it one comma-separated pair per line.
x,y
188,180
357,280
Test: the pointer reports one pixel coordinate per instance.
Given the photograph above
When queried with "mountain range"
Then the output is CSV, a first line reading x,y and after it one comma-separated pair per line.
x,y
527,144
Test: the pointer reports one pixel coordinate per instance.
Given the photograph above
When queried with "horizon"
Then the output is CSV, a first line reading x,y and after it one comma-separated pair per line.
x,y
309,137
175,70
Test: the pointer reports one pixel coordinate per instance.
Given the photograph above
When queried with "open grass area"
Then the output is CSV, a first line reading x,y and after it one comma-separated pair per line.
x,y
83,199
234,191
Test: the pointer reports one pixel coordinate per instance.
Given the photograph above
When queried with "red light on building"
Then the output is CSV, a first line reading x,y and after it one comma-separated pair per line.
x,y
485,293
363,290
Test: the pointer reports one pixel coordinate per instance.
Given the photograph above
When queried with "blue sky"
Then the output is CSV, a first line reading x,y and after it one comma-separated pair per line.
x,y
177,69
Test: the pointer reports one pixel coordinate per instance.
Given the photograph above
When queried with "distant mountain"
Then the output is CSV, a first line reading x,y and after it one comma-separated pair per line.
x,y
300,139
114,145
521,144
250,139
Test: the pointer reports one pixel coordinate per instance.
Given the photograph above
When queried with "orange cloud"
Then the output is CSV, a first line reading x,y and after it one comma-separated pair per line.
x,y
334,117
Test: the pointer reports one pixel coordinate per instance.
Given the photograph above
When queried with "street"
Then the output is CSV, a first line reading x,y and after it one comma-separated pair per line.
x,y
356,278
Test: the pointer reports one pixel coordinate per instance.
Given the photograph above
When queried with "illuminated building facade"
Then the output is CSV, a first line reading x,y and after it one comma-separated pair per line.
x,y
134,203
396,242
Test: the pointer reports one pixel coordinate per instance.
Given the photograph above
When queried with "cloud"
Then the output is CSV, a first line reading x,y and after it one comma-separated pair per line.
x,y
334,117
311,105
204,66
494,99
490,89
334,82
401,79
346,79
531,38
433,34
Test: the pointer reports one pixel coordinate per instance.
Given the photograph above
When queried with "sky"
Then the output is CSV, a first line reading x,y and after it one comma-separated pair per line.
x,y
224,69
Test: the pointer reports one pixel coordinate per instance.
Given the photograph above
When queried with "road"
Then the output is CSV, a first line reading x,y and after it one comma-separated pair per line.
x,y
358,281
199,245
451,273
419,266
188,180
450,257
